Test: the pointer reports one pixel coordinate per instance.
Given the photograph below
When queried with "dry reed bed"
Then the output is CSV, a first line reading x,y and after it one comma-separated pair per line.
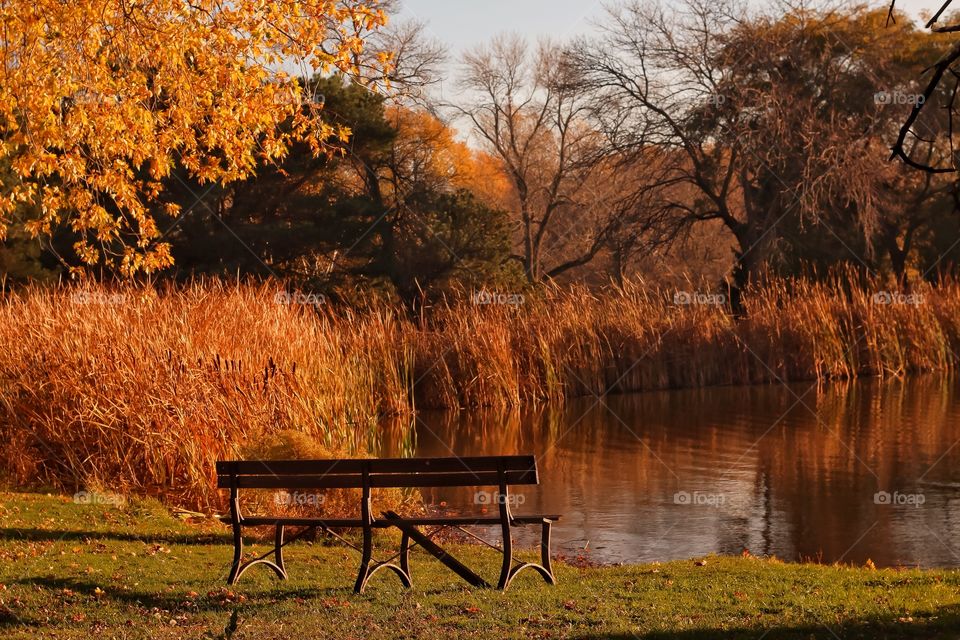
x,y
141,391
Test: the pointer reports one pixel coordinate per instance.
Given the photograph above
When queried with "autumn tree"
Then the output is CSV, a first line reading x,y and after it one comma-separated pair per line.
x,y
288,218
429,188
100,102
641,191
415,61
942,81
401,206
764,118
526,109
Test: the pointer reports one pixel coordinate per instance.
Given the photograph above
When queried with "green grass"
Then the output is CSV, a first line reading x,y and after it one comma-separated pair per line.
x,y
85,571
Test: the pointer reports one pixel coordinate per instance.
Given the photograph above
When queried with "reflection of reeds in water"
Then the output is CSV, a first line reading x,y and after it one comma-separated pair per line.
x,y
145,389
798,478
868,430
812,438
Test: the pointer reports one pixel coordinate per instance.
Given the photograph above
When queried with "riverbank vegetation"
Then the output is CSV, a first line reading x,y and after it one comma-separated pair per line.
x,y
144,388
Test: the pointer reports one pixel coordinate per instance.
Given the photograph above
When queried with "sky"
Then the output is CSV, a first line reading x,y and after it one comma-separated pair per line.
x,y
462,24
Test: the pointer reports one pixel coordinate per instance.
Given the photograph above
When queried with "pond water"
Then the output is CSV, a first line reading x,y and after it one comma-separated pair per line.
x,y
846,472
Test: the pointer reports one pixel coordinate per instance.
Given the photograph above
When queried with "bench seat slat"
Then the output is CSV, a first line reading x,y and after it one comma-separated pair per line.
x,y
289,467
453,464
428,521
425,521
329,481
333,523
383,480
377,465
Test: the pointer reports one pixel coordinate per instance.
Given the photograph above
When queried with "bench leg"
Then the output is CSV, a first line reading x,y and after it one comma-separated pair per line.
x,y
237,555
506,574
367,555
278,551
545,553
238,567
545,569
368,566
405,554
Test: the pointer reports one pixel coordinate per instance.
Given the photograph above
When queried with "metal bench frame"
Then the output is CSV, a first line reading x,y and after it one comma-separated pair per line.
x,y
366,474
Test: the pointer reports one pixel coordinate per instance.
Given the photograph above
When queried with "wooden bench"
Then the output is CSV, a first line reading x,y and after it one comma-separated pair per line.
x,y
501,472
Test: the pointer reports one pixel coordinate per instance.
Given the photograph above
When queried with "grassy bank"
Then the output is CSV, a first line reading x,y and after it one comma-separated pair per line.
x,y
73,571
141,391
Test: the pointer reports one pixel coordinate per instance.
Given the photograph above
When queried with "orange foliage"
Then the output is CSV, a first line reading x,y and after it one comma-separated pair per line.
x,y
99,100
429,148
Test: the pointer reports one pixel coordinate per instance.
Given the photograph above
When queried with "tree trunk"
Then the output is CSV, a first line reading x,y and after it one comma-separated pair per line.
x,y
898,253
751,256
620,267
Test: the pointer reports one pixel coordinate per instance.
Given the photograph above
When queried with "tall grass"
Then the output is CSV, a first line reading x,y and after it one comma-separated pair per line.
x,y
142,390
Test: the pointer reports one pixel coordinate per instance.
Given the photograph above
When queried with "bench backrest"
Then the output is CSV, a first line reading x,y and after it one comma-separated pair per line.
x,y
377,472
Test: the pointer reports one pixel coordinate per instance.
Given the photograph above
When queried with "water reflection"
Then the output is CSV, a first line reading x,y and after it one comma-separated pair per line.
x,y
791,471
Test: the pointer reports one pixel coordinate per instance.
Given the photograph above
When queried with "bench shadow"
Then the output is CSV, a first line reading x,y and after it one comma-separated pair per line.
x,y
9,619
173,602
41,535
945,623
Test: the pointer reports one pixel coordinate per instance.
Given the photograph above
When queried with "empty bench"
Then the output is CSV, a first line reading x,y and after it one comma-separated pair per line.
x,y
501,472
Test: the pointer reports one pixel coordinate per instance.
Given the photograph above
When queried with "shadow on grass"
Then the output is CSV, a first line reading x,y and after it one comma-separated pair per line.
x,y
945,623
9,619
40,535
216,600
